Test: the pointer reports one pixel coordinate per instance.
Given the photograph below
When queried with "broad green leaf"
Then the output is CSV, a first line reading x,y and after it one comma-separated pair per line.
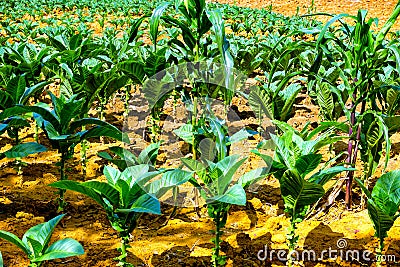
x,y
297,192
41,233
61,249
24,149
194,165
386,192
235,195
185,132
109,131
260,103
149,154
111,174
382,221
323,176
307,163
77,187
109,192
241,135
168,180
252,177
146,203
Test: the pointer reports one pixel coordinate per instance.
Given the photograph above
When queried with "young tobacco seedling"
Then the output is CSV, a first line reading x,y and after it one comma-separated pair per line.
x,y
296,158
35,243
383,206
127,195
215,182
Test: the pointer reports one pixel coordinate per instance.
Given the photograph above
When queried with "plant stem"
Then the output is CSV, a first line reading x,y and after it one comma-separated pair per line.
x,y
217,237
350,174
36,135
292,242
379,251
61,201
194,123
126,104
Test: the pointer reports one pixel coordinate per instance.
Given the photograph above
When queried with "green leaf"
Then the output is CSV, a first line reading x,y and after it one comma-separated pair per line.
x,y
41,234
260,103
1,260
155,20
235,195
133,69
252,177
297,192
62,249
241,135
185,132
15,240
24,149
307,163
149,154
146,203
323,176
77,187
386,192
382,221
108,130
364,189
109,192
168,180
18,110
111,174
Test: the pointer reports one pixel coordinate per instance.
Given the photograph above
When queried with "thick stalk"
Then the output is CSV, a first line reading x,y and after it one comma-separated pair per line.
x,y
217,239
36,134
352,153
124,242
18,160
61,201
194,123
292,240
379,251
84,147
126,104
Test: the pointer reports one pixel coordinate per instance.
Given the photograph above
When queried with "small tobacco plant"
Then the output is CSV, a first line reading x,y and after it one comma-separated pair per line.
x,y
62,126
35,243
295,165
217,188
383,206
127,195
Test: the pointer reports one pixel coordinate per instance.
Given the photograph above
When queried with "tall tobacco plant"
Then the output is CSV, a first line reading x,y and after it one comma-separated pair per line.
x,y
361,57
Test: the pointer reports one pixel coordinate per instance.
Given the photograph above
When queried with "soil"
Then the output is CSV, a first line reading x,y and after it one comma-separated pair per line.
x,y
185,239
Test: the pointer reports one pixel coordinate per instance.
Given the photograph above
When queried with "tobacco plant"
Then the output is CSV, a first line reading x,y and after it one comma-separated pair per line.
x,y
296,166
365,56
35,243
127,195
218,188
383,206
62,127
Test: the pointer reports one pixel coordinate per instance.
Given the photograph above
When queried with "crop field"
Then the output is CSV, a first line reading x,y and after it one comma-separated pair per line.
x,y
197,133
